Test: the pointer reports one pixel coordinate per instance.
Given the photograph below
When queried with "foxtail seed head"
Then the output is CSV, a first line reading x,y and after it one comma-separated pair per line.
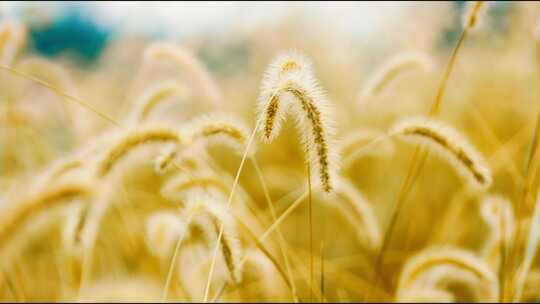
x,y
449,143
289,83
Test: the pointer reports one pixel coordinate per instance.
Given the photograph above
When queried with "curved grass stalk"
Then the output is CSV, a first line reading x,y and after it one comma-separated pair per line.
x,y
127,142
460,259
48,72
358,212
63,167
194,67
162,229
154,97
55,75
390,70
132,140
509,147
56,171
221,129
22,211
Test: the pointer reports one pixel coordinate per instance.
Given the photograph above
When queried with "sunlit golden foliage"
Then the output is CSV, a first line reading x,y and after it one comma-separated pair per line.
x,y
170,171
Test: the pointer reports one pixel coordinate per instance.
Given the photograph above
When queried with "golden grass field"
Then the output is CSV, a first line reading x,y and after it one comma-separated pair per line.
x,y
321,169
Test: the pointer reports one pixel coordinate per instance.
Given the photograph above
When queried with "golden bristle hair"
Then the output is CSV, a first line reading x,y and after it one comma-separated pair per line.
x,y
231,246
454,257
289,82
449,143
133,139
154,96
390,70
162,231
193,66
12,39
221,128
498,214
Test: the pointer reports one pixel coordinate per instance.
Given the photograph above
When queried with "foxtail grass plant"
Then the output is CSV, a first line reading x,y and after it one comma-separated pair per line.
x,y
151,175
